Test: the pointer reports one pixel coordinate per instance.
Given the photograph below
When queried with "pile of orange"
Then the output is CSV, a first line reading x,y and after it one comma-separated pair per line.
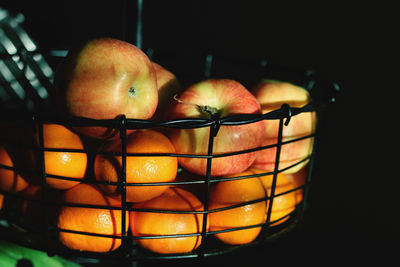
x,y
139,169
86,221
150,224
226,194
163,218
245,204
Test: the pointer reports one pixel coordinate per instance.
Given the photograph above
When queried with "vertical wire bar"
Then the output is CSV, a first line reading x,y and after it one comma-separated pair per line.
x,y
43,185
213,130
276,170
139,24
124,20
208,66
122,130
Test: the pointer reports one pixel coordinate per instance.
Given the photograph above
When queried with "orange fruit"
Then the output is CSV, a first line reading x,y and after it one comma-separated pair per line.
x,y
19,140
154,224
228,193
30,210
299,179
139,169
67,164
10,179
29,205
284,204
90,220
1,201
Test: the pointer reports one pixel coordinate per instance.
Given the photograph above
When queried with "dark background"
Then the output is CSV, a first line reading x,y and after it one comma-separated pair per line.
x,y
353,200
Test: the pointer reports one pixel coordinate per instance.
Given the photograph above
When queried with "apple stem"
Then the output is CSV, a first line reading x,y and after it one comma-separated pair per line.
x,y
204,109
132,91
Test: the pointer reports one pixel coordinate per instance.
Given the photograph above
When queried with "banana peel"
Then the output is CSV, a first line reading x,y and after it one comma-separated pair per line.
x,y
11,255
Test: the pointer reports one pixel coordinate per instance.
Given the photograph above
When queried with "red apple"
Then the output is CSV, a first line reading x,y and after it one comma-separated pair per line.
x,y
105,78
168,86
225,97
272,95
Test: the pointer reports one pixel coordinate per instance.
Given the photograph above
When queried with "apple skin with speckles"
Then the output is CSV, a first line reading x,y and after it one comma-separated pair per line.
x,y
272,95
168,86
105,78
224,97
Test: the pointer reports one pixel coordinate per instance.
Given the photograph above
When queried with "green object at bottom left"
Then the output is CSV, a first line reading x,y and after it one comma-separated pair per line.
x,y
12,255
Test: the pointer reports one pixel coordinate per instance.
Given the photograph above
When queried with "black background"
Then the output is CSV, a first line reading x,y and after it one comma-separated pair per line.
x,y
353,203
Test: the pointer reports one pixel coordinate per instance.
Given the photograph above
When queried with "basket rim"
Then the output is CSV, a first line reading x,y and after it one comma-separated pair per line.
x,y
284,112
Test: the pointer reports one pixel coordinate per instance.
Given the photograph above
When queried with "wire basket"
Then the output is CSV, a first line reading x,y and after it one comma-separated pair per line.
x,y
44,235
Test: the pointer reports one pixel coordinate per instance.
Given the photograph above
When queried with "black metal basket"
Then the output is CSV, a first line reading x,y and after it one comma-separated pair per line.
x,y
45,237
